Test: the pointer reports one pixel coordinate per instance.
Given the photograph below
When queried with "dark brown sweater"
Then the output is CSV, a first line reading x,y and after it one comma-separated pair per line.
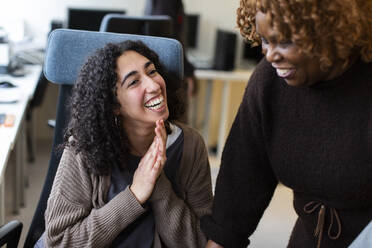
x,y
316,140
78,214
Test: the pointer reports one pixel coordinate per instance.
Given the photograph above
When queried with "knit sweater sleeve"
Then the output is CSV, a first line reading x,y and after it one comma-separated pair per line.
x,y
178,220
246,182
72,221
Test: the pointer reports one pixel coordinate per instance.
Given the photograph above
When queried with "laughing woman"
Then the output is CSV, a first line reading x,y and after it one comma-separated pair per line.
x,y
305,121
130,175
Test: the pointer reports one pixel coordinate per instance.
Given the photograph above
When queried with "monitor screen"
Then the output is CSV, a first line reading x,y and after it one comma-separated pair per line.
x,y
192,26
87,19
145,25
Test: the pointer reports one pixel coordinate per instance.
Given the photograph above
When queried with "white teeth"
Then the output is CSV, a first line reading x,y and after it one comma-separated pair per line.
x,y
155,103
155,107
283,72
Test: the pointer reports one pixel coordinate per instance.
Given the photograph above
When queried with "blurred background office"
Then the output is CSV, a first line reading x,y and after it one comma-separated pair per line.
x,y
222,62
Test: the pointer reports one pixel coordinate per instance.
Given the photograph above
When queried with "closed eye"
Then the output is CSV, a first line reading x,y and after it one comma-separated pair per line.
x,y
133,82
285,44
153,72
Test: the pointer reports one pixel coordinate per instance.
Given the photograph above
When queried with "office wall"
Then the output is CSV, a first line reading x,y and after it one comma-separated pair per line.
x,y
214,14
38,14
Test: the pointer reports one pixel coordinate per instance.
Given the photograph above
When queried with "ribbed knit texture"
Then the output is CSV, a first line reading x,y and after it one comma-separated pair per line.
x,y
316,140
78,215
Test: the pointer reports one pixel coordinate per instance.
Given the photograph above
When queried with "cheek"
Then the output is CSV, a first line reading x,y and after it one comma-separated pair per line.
x,y
162,85
129,99
297,57
264,49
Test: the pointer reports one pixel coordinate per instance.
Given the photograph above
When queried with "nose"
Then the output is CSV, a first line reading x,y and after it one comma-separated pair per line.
x,y
271,53
151,85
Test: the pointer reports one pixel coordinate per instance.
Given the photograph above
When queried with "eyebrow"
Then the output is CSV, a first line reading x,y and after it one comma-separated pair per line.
x,y
147,64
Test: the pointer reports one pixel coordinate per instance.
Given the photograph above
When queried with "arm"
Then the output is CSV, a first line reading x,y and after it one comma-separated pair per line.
x,y
72,220
246,182
177,220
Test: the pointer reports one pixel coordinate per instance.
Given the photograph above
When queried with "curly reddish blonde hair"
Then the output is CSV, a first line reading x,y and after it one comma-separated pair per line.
x,y
326,29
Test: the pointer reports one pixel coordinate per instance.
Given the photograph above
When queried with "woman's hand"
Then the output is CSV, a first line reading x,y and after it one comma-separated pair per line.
x,y
150,166
162,135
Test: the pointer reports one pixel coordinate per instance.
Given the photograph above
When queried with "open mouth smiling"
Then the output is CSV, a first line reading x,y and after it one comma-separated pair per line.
x,y
156,103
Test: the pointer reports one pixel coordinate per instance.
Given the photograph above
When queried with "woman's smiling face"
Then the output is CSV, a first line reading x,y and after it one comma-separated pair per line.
x,y
141,91
296,68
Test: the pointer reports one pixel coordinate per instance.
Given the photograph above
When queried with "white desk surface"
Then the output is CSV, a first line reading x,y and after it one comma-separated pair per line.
x,y
237,75
8,135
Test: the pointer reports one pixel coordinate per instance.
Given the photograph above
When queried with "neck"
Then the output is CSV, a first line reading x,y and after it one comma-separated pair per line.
x,y
140,140
340,67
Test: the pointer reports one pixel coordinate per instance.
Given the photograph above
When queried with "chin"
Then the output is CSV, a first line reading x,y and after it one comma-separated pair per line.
x,y
294,83
164,116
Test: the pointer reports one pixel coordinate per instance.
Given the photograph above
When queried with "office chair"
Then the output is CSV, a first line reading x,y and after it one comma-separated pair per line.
x,y
159,25
10,234
65,54
35,102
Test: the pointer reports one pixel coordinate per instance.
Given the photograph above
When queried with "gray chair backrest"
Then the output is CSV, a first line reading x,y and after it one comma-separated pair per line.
x,y
68,49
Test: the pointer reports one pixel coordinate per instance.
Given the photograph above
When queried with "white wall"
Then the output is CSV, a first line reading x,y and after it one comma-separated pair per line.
x,y
214,14
37,14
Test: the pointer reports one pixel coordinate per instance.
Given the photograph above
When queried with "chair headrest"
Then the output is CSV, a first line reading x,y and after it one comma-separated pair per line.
x,y
117,18
68,49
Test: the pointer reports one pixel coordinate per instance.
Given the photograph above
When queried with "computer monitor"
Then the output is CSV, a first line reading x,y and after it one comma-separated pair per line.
x,y
225,49
192,26
141,25
88,19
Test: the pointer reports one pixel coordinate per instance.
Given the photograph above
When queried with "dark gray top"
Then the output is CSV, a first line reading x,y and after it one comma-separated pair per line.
x,y
140,233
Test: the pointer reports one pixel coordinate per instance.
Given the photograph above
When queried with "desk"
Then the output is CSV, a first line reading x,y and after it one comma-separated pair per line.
x,y
13,137
227,77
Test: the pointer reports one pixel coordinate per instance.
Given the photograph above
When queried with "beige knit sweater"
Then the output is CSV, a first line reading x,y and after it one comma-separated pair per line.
x,y
78,215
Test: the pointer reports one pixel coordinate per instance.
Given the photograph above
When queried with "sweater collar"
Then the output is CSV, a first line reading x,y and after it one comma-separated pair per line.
x,y
349,75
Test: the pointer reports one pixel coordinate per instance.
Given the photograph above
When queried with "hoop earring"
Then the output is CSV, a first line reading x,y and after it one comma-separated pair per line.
x,y
116,121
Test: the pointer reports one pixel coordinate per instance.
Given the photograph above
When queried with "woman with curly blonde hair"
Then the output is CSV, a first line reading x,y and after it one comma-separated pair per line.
x,y
305,121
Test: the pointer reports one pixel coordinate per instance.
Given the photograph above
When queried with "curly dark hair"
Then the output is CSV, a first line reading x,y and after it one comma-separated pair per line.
x,y
329,30
98,136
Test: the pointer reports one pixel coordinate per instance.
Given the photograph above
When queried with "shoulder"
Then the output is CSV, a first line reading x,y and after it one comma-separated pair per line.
x,y
71,174
194,162
71,160
263,79
263,88
191,136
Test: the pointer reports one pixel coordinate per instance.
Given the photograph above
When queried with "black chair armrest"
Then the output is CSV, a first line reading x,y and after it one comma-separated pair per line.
x,y
10,233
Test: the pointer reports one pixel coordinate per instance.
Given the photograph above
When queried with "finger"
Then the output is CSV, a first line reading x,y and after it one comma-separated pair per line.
x,y
163,160
163,131
162,148
160,137
158,133
150,156
163,141
157,162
